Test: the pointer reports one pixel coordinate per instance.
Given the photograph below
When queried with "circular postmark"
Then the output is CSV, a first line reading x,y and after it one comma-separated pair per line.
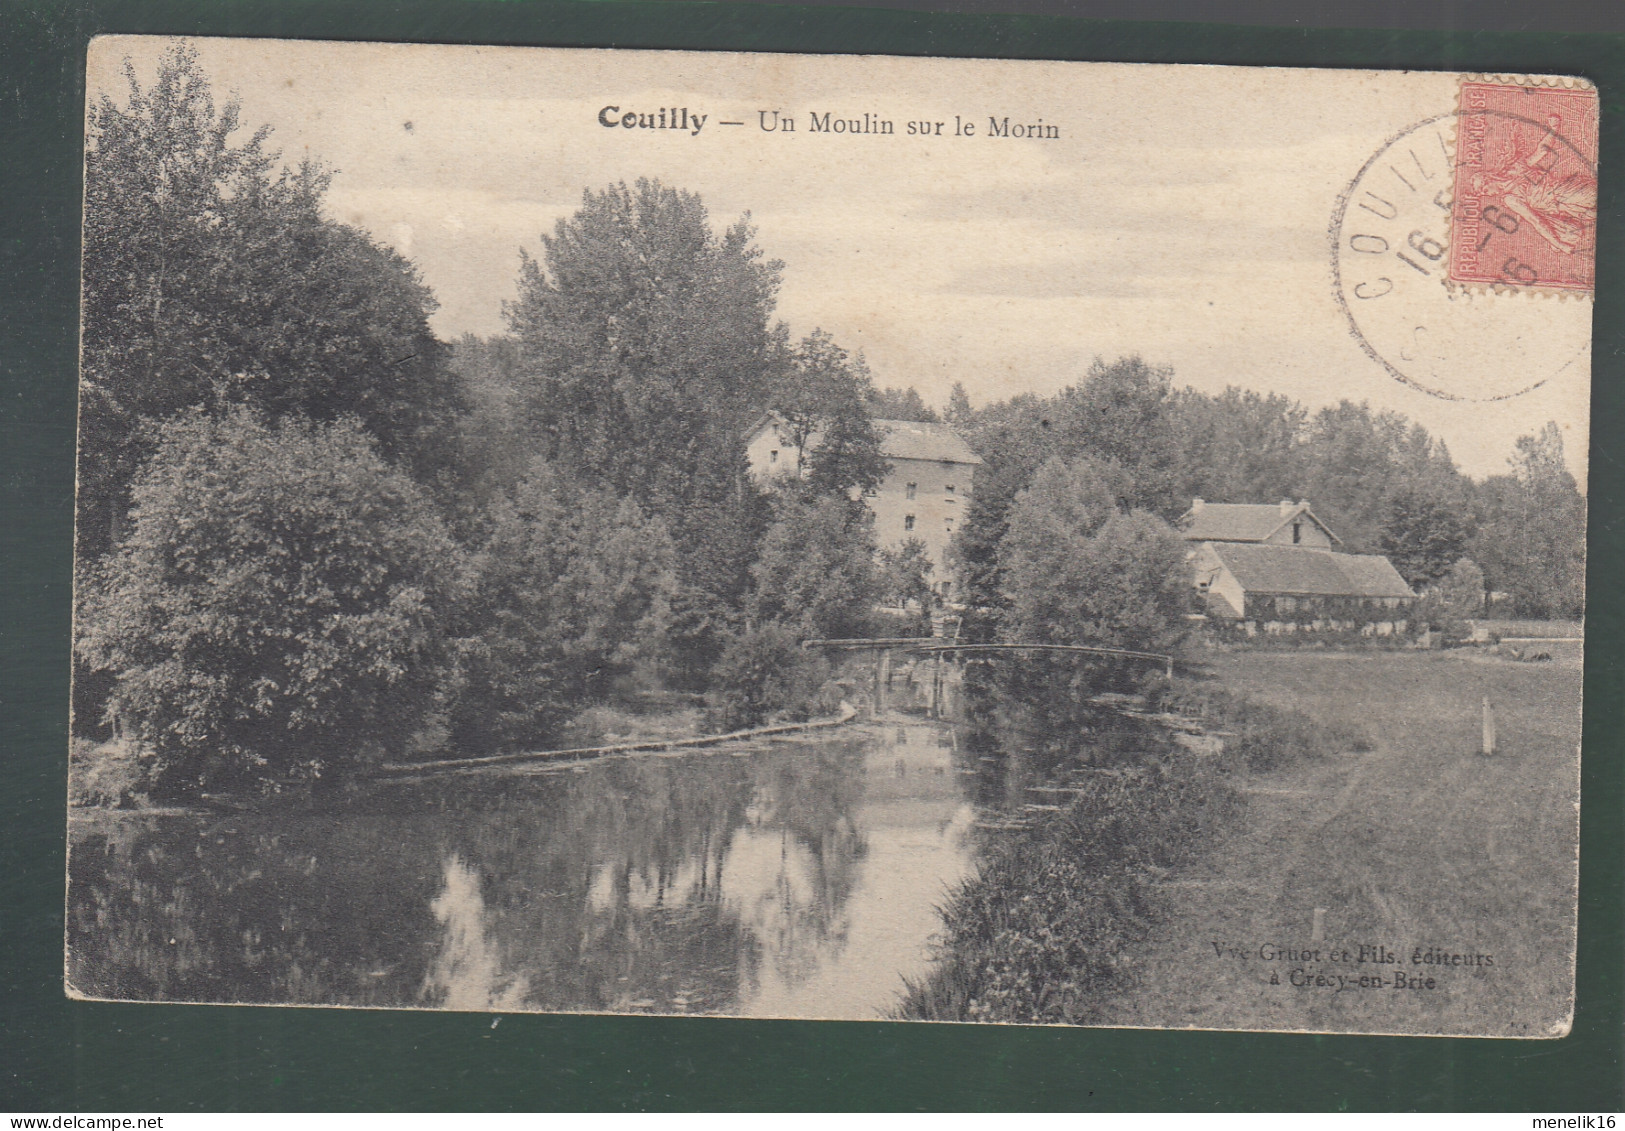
x,y
1400,234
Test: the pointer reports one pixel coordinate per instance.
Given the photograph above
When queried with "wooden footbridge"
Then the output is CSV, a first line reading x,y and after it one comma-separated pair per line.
x,y
937,648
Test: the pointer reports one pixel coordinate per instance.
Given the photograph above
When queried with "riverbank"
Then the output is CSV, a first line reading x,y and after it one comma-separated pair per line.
x,y
1418,846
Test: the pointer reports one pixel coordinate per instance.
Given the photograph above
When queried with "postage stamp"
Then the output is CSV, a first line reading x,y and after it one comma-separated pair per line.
x,y
1526,186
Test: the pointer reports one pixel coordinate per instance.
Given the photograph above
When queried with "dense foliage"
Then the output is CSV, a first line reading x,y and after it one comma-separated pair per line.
x,y
211,277
279,610
1078,569
310,534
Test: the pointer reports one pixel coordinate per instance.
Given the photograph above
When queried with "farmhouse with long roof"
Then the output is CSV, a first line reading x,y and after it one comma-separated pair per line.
x,y
1276,565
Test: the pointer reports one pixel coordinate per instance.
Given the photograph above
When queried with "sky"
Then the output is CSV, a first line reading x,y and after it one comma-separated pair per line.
x,y
1181,213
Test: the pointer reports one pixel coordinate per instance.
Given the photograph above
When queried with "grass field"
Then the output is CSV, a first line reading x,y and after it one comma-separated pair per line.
x,y
1417,842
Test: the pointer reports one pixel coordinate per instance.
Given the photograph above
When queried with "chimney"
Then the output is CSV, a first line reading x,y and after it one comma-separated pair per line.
x,y
1286,506
1303,504
1197,505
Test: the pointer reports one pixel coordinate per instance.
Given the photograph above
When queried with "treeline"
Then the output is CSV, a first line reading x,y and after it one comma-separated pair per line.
x,y
312,536
1131,441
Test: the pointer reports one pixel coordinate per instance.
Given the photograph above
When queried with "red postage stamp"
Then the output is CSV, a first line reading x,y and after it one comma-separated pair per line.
x,y
1525,211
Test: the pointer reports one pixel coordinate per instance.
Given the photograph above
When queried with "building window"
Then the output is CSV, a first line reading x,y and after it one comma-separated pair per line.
x,y
949,491
773,456
1297,533
908,493
908,520
949,523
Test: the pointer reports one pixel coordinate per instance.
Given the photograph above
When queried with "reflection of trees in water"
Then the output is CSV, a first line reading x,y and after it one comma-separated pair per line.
x,y
794,863
199,908
600,889
1029,724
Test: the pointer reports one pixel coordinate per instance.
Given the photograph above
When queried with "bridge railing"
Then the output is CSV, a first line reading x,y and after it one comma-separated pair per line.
x,y
930,645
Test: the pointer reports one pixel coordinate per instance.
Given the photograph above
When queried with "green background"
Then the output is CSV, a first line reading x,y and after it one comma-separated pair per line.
x,y
59,1056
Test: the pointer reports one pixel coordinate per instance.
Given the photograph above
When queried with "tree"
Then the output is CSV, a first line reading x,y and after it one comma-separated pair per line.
x,y
211,279
1237,447
1531,530
1354,460
959,409
825,396
646,349
1422,535
1121,412
1454,599
279,611
1078,569
816,573
902,404
574,590
905,572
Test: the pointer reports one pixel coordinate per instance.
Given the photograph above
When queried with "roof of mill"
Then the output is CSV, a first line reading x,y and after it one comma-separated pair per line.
x,y
1303,572
1242,522
915,439
901,439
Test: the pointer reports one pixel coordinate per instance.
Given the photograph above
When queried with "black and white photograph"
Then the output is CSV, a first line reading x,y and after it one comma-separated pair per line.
x,y
854,537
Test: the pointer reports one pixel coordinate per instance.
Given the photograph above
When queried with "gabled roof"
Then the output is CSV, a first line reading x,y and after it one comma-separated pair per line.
x,y
901,439
1299,572
915,439
1243,522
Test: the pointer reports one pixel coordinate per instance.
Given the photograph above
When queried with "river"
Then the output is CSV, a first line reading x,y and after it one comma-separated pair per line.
x,y
795,877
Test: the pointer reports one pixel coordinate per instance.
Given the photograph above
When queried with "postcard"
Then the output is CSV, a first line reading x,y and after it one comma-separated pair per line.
x,y
858,537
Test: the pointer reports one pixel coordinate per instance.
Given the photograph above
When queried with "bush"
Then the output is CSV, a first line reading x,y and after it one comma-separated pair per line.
x,y
1044,932
1078,570
277,612
816,571
765,673
575,589
1263,737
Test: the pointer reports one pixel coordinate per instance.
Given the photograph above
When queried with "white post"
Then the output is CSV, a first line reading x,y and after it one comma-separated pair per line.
x,y
1489,728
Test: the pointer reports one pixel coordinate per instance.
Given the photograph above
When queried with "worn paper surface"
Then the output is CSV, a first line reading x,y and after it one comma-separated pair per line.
x,y
1421,243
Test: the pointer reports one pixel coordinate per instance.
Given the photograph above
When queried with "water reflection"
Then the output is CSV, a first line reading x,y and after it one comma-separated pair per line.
x,y
797,878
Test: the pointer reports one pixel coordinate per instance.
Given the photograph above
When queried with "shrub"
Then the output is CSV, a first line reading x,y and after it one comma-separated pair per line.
x,y
765,673
278,610
1044,932
1262,736
574,589
1078,570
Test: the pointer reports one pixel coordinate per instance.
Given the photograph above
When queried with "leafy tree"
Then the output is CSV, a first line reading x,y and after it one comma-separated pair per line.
x,y
1354,460
1122,412
1081,570
210,278
902,404
1454,599
906,573
816,573
959,409
1423,535
1237,447
279,611
575,589
1531,530
825,398
646,349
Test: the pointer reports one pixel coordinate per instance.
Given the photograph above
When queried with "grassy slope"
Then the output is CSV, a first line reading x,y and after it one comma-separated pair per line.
x,y
1419,841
